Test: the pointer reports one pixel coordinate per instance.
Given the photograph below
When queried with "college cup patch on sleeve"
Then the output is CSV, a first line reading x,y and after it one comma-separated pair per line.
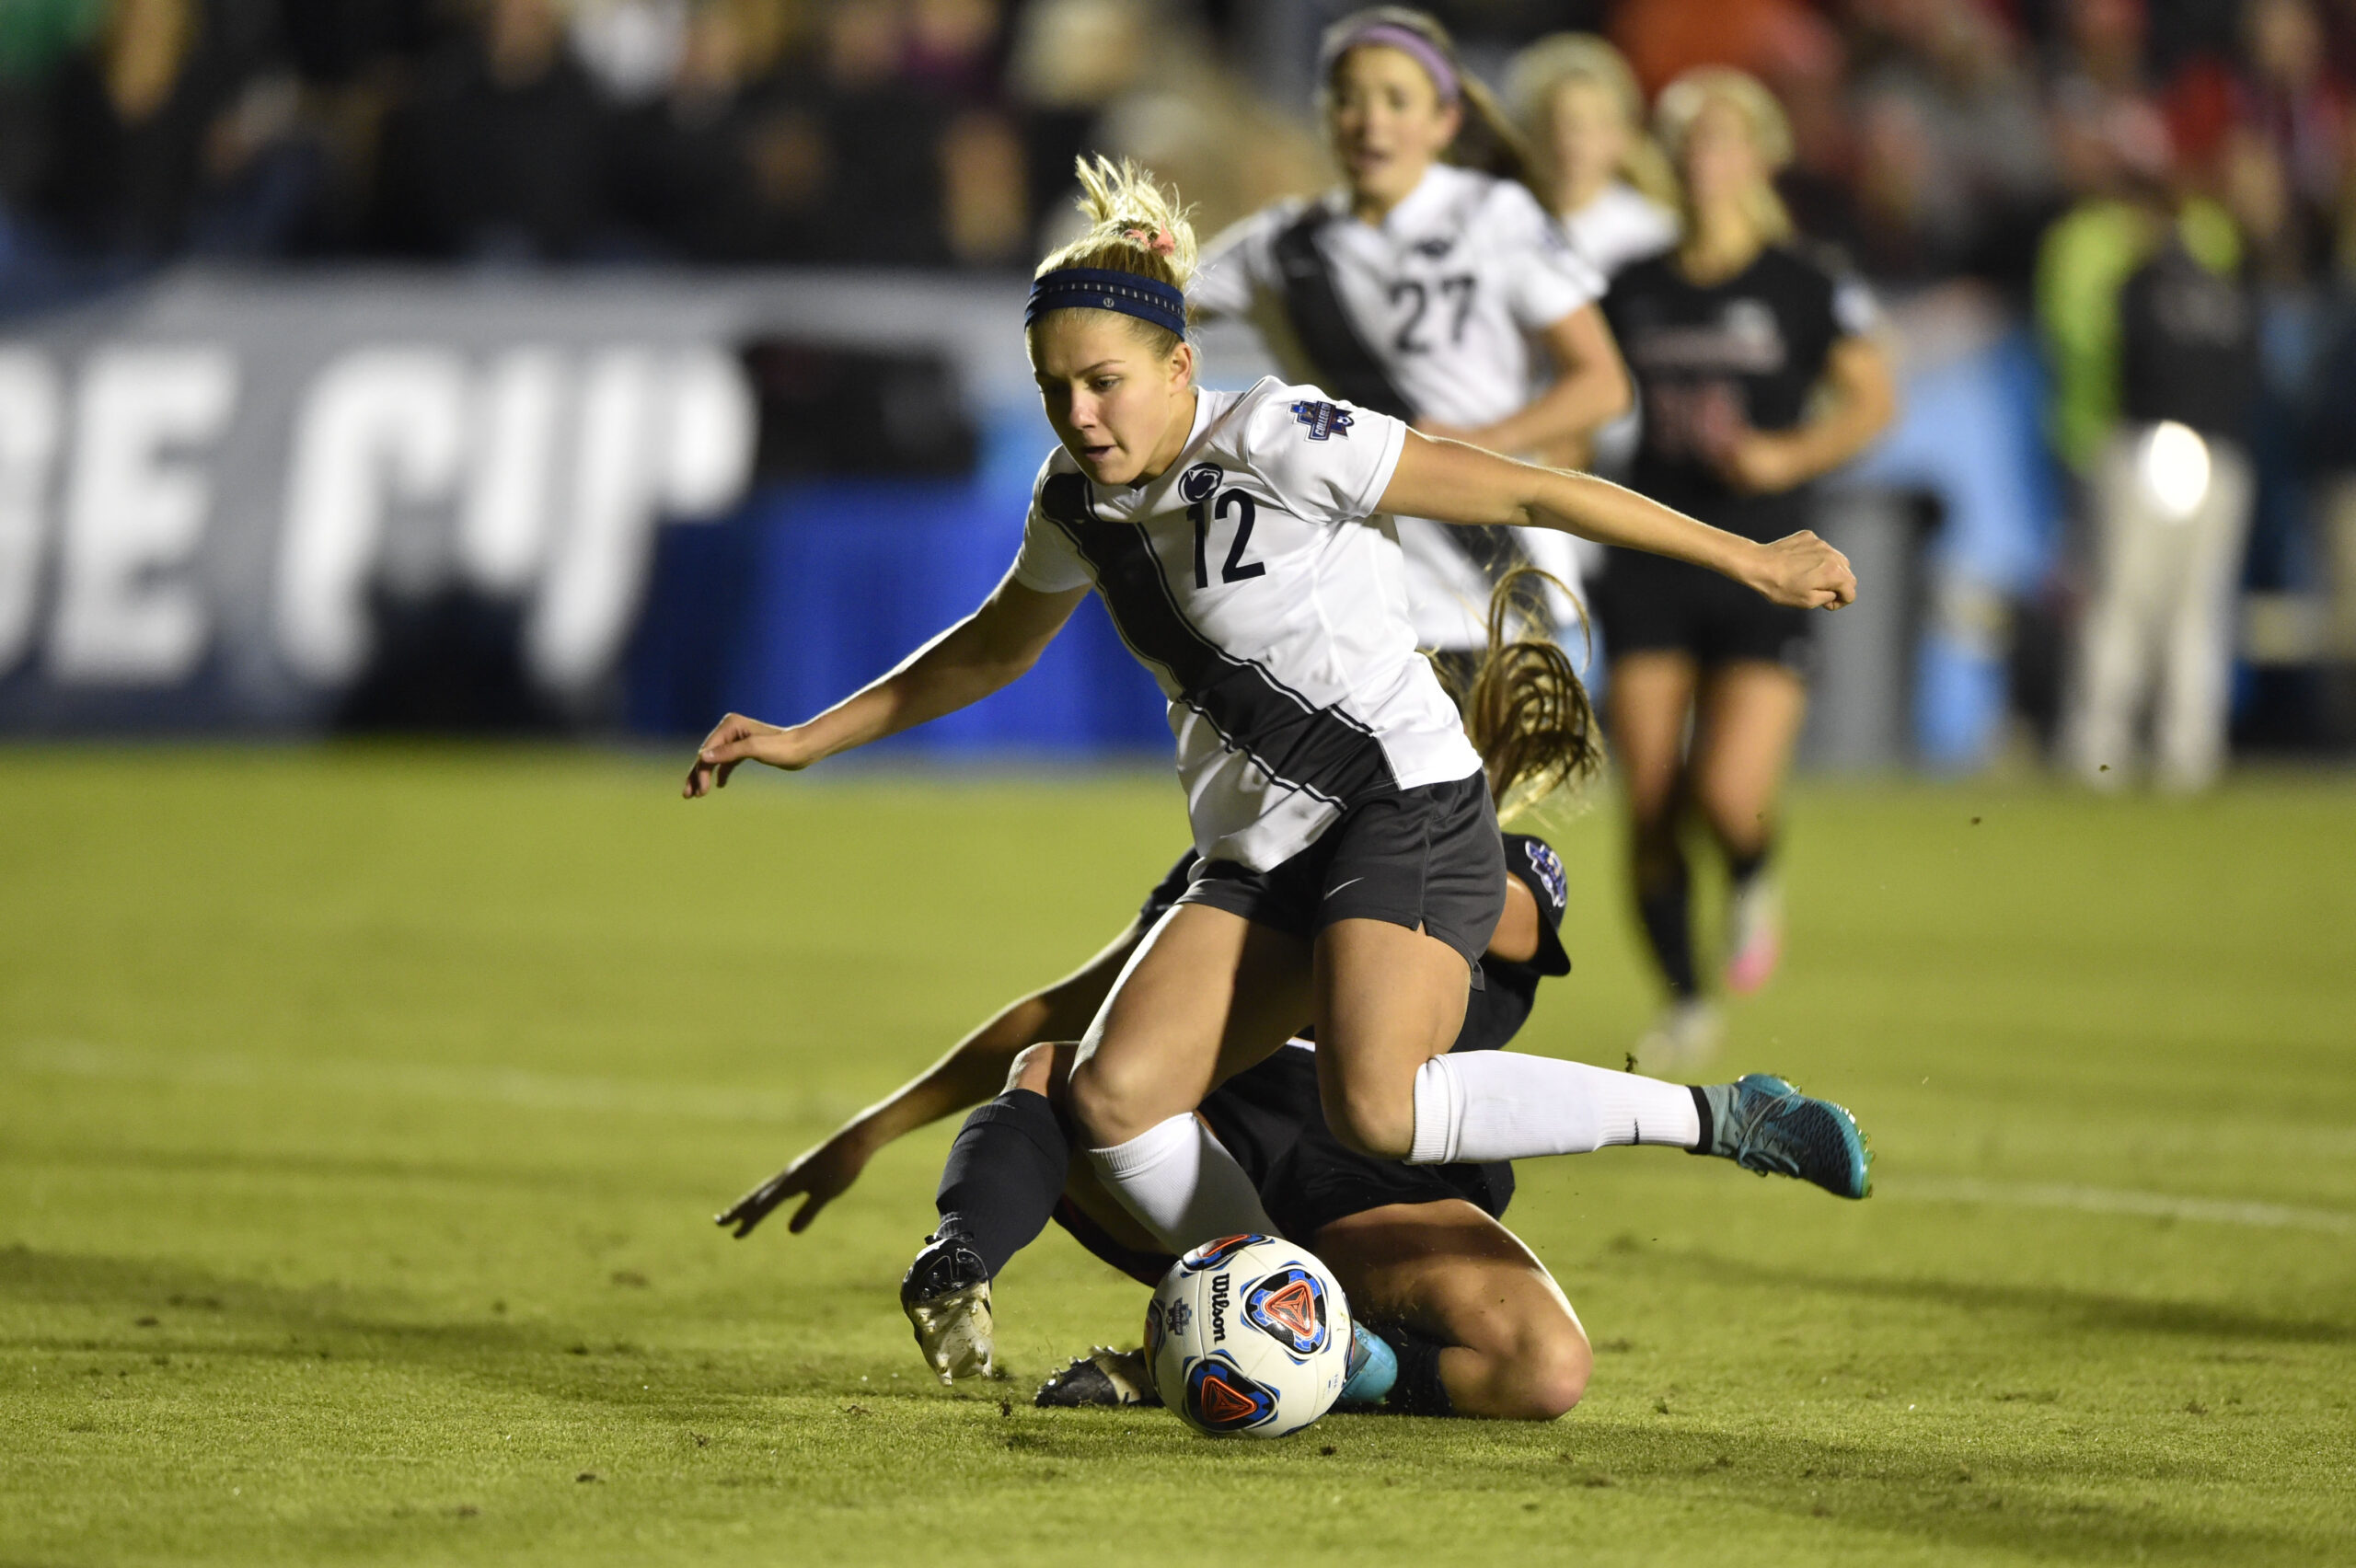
x,y
1324,419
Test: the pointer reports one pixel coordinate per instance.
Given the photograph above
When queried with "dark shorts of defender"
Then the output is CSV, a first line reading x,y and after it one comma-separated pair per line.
x,y
1648,604
1269,1119
1427,859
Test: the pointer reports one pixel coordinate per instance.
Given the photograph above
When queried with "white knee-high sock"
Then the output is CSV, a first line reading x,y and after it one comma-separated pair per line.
x,y
1181,1184
1504,1105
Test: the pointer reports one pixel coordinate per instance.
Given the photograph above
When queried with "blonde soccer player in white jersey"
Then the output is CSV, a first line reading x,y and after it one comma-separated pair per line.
x,y
1598,169
1352,870
1430,285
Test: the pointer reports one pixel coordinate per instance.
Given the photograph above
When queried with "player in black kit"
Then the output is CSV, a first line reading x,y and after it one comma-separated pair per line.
x,y
1755,373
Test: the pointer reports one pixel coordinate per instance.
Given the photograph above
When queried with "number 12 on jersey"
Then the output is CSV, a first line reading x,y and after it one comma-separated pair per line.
x,y
1235,569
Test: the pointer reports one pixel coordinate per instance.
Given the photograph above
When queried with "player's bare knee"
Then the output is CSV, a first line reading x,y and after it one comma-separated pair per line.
x,y
1560,1362
1377,1123
1652,827
1111,1107
1543,1376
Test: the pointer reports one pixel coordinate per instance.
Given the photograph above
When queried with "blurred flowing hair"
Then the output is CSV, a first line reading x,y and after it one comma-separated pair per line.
x,y
1525,708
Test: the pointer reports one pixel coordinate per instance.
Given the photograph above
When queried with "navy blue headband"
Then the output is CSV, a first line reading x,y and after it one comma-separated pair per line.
x,y
1097,288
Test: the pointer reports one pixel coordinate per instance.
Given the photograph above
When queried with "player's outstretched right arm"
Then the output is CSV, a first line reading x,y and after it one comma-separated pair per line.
x,y
988,650
972,1070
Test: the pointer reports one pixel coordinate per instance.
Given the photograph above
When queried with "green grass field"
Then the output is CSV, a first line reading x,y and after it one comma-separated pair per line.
x,y
362,1115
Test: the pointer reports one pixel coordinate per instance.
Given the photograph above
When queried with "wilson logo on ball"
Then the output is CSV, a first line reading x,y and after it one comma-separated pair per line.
x,y
1289,1306
1222,1399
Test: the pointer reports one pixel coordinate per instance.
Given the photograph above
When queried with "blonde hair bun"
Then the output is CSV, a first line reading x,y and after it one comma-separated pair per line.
x,y
1135,224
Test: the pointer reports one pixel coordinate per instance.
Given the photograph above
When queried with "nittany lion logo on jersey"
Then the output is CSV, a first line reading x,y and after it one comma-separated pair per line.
x,y
1324,419
1200,481
1549,868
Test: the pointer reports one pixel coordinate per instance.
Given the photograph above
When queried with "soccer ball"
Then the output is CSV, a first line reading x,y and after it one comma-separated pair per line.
x,y
1248,1336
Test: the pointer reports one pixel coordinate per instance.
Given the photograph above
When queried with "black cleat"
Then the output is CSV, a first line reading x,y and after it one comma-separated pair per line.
x,y
1104,1379
946,1295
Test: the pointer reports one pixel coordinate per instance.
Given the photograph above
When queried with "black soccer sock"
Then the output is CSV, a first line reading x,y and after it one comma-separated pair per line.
x,y
1004,1175
1741,868
1662,904
1418,1391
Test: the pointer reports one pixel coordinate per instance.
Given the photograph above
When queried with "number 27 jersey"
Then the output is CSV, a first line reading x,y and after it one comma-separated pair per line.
x,y
1255,583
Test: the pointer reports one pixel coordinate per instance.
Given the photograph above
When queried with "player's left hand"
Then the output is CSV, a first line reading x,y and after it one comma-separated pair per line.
x,y
1759,464
819,1176
1804,573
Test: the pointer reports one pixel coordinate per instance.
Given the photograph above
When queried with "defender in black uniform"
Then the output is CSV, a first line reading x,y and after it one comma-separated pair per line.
x,y
1754,374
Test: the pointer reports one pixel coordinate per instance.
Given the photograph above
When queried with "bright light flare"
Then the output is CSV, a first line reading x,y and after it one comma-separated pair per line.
x,y
2173,462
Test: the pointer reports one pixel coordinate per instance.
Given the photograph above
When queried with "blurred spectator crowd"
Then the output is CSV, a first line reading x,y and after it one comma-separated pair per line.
x,y
915,132
1936,138
2037,152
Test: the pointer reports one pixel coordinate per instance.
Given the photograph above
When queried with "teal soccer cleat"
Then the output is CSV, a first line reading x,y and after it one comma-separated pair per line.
x,y
1764,1125
1373,1368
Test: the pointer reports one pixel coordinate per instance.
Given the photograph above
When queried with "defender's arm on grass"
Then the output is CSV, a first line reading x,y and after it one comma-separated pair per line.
x,y
1451,482
988,650
975,1070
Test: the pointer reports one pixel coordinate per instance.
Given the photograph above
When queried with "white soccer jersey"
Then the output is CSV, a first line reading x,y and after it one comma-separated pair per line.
x,y
1255,583
1446,292
1620,225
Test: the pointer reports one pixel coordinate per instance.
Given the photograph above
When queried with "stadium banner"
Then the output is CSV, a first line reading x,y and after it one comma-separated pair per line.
x,y
213,483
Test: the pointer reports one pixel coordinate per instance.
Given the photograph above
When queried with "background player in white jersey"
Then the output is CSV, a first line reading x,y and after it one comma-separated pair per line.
x,y
1597,168
1429,286
1352,870
1604,179
1756,371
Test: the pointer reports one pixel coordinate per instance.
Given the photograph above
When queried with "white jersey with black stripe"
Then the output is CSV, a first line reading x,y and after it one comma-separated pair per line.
x,y
1447,292
1258,586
